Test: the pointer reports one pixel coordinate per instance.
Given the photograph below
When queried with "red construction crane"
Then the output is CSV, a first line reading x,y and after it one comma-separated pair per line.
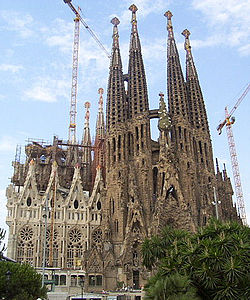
x,y
229,120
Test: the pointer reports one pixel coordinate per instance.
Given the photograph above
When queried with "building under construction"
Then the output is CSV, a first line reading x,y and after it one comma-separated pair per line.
x,y
88,207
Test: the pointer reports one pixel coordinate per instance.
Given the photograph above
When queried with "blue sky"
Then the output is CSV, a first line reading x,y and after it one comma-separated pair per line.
x,y
36,65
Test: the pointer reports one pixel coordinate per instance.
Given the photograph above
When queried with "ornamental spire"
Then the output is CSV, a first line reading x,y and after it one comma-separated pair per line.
x,y
86,140
99,153
169,15
116,90
100,127
137,86
177,95
134,9
191,70
116,58
86,151
198,116
134,41
115,21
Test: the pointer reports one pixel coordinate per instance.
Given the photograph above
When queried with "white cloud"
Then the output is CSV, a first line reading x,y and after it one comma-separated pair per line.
x,y
245,50
47,90
7,144
19,22
59,34
11,68
229,20
2,97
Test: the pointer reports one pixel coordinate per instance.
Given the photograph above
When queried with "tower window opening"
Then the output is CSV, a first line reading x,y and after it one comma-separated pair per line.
x,y
162,182
179,128
142,130
136,133
200,147
119,141
116,226
155,180
185,135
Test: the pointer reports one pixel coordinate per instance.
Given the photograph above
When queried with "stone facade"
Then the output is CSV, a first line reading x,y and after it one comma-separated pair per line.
x,y
93,214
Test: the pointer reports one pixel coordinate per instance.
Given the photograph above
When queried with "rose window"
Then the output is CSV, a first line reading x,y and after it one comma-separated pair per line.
x,y
97,236
75,235
48,233
26,233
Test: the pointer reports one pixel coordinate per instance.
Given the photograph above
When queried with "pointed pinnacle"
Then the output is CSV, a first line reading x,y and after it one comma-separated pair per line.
x,y
186,33
115,21
187,46
168,14
87,106
161,94
100,91
133,8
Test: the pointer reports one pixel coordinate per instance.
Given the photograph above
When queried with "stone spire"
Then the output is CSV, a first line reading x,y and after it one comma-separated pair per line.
x,y
137,86
99,138
86,139
100,127
177,96
116,90
198,116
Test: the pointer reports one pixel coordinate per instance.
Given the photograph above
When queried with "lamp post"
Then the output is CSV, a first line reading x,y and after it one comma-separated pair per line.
x,y
45,215
215,203
82,286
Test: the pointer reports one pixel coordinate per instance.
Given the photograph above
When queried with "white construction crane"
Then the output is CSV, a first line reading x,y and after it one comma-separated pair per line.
x,y
229,120
87,27
73,103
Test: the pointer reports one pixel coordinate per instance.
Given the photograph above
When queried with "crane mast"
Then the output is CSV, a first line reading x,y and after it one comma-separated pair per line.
x,y
73,101
235,168
228,121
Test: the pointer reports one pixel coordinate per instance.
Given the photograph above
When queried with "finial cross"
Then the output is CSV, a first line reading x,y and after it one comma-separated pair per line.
x,y
168,14
115,21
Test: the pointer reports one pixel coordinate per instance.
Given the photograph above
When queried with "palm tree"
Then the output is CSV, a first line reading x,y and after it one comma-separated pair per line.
x,y
174,287
216,260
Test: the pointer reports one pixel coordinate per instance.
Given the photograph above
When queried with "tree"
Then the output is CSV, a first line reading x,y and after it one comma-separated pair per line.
x,y
173,287
20,282
216,259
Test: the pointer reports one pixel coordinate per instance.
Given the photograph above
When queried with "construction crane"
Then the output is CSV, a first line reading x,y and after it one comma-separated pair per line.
x,y
229,120
73,100
73,103
87,27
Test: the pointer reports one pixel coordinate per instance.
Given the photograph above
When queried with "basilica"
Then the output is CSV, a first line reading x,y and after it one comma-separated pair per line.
x,y
83,209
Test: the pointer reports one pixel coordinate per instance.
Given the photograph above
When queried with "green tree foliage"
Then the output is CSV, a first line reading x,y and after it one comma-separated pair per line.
x,y
22,283
216,259
173,287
